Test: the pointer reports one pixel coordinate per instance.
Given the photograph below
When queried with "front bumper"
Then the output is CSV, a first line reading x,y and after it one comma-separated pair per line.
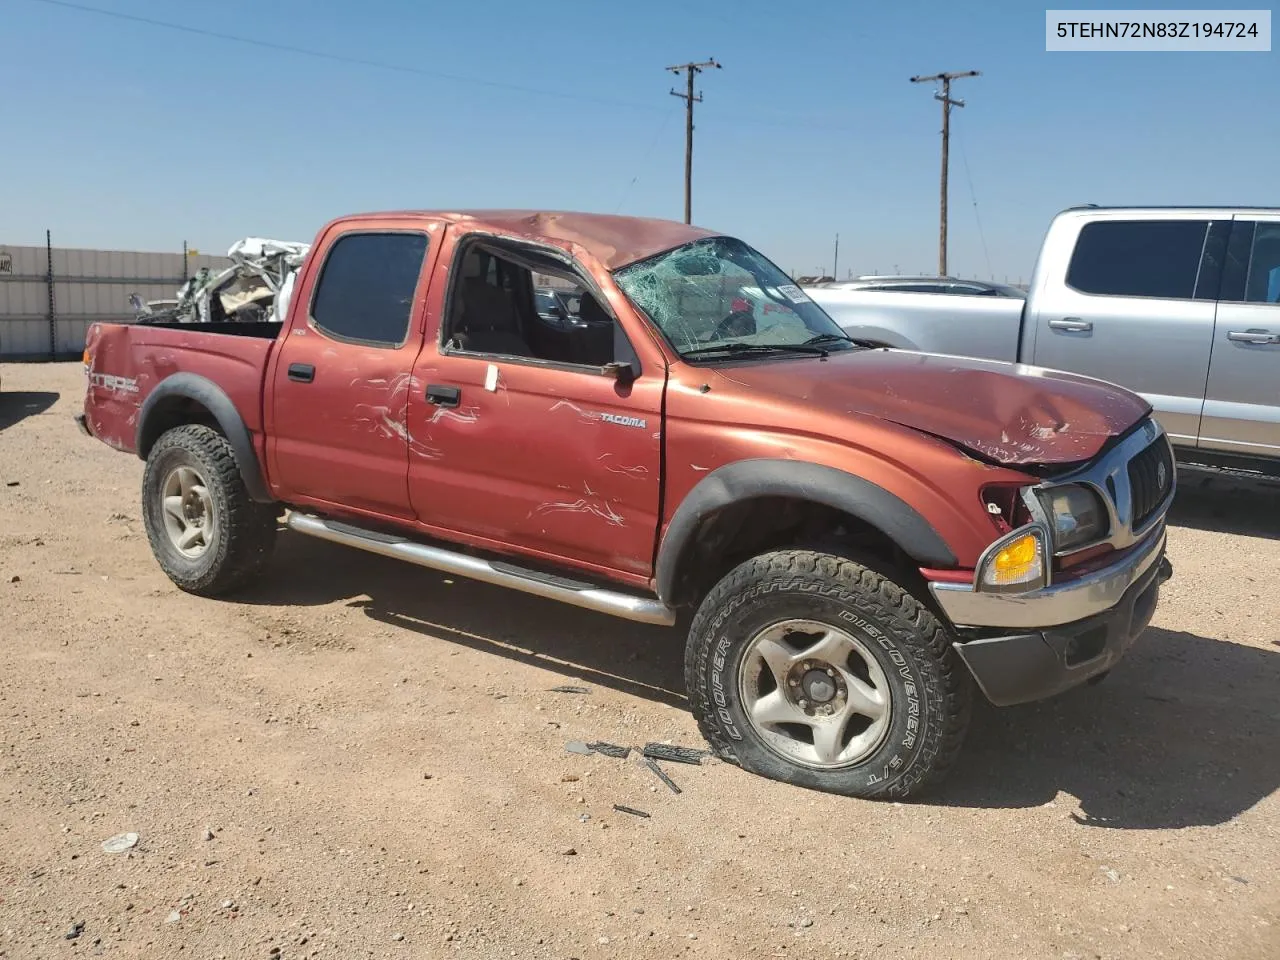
x,y
1021,667
1076,599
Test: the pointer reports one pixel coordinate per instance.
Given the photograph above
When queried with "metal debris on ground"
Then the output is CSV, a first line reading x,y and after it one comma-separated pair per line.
x,y
610,750
666,751
569,689
653,765
577,746
631,810
120,843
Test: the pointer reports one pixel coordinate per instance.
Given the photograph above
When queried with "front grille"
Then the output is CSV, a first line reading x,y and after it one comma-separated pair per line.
x,y
1150,480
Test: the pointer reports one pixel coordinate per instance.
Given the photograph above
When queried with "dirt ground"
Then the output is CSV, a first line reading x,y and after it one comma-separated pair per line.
x,y
363,759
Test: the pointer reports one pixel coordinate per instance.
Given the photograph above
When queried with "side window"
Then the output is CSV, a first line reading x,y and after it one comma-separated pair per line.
x,y
1138,258
528,305
1263,283
366,287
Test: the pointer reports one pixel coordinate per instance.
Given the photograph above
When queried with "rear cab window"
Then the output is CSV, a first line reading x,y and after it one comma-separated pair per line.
x,y
366,287
1140,258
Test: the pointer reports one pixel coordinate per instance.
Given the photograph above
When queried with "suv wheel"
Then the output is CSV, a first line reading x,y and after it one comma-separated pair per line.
x,y
207,534
816,670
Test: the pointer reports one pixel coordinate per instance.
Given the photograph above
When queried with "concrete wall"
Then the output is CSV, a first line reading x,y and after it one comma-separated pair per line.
x,y
87,286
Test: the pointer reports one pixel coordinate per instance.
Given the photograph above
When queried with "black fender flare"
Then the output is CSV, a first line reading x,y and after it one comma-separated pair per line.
x,y
750,479
192,386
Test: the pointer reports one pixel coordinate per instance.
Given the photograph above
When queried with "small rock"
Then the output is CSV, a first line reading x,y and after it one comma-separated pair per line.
x,y
806,922
228,904
568,852
15,579
603,940
174,917
208,834
569,778
120,843
962,911
398,937
427,776
77,928
1110,874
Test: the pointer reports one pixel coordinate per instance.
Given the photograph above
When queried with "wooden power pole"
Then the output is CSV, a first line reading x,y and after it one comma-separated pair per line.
x,y
690,70
947,104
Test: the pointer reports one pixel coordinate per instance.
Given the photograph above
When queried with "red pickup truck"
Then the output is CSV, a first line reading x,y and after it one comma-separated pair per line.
x,y
862,533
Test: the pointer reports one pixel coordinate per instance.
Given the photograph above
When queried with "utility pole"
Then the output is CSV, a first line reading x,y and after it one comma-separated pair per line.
x,y
835,260
947,104
690,70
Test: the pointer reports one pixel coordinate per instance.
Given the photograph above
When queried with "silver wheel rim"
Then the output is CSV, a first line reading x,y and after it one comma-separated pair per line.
x,y
814,694
188,511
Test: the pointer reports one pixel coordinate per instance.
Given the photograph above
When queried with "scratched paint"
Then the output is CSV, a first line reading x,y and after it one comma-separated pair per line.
x,y
638,472
590,503
584,416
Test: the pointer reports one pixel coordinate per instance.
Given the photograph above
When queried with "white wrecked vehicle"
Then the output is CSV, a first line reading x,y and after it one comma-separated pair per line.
x,y
248,291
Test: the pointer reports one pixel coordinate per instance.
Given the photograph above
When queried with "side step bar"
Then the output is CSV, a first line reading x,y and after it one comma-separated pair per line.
x,y
627,606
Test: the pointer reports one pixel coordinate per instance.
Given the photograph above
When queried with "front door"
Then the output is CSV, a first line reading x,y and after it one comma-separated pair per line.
x,y
1242,401
340,382
1136,308
520,436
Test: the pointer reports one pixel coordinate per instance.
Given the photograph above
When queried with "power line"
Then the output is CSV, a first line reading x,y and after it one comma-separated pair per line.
x,y
342,58
947,104
754,119
973,195
666,117
690,70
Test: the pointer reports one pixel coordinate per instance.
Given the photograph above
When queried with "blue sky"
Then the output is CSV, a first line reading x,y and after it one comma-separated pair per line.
x,y
119,134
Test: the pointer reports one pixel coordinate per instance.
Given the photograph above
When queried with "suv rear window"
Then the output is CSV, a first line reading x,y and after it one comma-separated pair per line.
x,y
1138,258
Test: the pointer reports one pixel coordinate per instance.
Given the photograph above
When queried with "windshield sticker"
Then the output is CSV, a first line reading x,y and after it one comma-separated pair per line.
x,y
793,293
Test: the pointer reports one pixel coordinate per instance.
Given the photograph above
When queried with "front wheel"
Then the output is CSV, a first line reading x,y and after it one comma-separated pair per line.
x,y
815,670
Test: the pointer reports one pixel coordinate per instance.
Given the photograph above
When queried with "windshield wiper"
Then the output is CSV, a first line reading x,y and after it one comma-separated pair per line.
x,y
838,338
742,348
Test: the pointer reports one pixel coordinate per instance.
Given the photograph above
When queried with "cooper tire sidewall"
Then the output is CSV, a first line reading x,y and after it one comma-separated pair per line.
x,y
902,750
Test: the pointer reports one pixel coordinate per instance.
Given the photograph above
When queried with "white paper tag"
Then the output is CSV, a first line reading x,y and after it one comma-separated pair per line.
x,y
491,378
793,293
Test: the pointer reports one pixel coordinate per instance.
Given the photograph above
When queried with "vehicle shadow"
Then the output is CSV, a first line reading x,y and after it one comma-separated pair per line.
x,y
634,658
1183,733
17,405
1227,503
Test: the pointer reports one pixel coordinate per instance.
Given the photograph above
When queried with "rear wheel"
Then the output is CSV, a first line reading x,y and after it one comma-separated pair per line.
x,y
206,532
816,670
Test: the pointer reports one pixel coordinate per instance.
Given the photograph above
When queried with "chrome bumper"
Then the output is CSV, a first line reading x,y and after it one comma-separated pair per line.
x,y
1077,599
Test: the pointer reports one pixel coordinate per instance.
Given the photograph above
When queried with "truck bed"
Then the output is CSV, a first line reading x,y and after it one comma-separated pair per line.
x,y
125,362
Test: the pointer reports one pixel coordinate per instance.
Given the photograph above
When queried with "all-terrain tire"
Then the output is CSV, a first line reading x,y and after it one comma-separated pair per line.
x,y
242,532
929,690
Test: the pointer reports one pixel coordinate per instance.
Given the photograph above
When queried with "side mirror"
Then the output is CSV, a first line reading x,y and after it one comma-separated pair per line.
x,y
624,373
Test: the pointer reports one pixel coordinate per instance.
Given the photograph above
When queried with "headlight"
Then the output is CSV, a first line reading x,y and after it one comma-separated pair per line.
x,y
1076,515
1016,562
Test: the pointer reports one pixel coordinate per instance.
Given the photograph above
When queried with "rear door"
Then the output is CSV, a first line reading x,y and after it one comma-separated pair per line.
x,y
1242,401
340,383
1134,304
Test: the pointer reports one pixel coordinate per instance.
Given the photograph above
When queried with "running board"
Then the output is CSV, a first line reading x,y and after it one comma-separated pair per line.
x,y
627,606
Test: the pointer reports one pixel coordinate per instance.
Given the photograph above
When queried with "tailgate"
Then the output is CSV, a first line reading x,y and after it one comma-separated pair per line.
x,y
124,363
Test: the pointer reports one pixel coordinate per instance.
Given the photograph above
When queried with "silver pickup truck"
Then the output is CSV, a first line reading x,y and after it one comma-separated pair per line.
x,y
1181,305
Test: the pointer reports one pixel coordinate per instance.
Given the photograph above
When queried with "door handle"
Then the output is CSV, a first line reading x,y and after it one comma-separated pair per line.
x,y
1072,324
1253,336
302,372
443,396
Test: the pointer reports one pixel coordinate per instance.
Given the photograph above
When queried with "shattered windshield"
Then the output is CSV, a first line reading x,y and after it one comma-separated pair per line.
x,y
717,297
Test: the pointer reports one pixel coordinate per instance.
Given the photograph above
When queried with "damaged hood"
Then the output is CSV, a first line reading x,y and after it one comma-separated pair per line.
x,y
1008,413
